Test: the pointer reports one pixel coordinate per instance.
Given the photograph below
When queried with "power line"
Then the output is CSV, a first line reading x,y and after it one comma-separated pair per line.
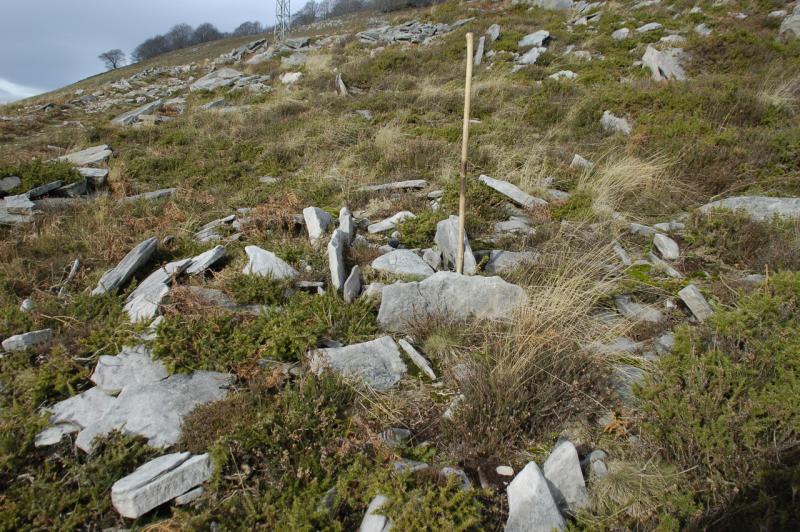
x,y
284,19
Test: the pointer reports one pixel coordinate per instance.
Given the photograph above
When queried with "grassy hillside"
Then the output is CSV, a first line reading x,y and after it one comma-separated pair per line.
x,y
706,438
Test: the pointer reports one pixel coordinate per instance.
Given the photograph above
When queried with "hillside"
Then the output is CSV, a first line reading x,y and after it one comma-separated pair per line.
x,y
227,297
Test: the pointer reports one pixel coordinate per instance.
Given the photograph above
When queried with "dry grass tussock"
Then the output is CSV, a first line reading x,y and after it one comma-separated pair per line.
x,y
780,90
527,167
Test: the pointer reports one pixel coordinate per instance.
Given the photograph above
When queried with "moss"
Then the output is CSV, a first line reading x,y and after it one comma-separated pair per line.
x,y
721,401
38,172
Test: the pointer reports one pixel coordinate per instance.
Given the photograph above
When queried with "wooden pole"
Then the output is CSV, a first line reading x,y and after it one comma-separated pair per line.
x,y
462,194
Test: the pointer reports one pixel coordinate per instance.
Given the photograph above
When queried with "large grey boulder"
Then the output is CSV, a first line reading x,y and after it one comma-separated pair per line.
x,y
411,184
267,264
760,208
352,286
537,38
512,192
122,272
447,240
223,77
133,116
336,248
142,304
531,507
790,27
156,410
562,469
402,262
19,205
374,521
693,299
666,246
206,259
89,156
131,367
450,294
347,223
159,481
377,363
665,65
500,262
20,342
317,222
390,223
531,56
614,124
7,184
637,311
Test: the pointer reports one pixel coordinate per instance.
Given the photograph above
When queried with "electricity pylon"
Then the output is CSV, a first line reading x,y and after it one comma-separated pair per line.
x,y
283,19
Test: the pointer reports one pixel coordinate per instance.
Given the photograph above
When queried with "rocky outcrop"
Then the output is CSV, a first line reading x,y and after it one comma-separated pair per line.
x,y
377,363
402,262
666,65
760,208
223,77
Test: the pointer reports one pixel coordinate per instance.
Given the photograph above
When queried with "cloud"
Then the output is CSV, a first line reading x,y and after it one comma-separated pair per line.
x,y
10,91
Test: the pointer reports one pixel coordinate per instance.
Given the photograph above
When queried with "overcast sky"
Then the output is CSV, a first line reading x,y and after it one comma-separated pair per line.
x,y
46,44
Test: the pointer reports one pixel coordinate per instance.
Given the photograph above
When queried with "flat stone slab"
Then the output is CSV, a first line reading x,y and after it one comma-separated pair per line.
x,y
505,261
446,239
666,65
20,342
317,222
206,259
89,156
760,208
159,481
512,192
215,80
537,38
19,205
562,469
416,357
131,367
82,409
666,246
390,223
126,119
377,363
152,195
143,302
336,264
411,184
122,272
402,262
531,507
637,311
449,294
46,188
267,264
693,299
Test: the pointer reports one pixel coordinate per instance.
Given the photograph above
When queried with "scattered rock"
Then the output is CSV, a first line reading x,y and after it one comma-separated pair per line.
x,y
27,305
267,264
531,507
623,378
621,34
693,299
347,224
317,222
352,286
152,195
377,363
761,208
126,119
790,27
614,124
122,272
132,366
663,266
223,77
650,26
563,74
374,521
703,30
290,78
515,224
80,410
448,294
637,311
621,253
537,38
580,162
669,227
189,497
493,32
501,262
666,246
20,205
213,104
395,436
665,65
373,291
89,156
336,259
159,481
7,184
142,304
402,262
205,260
562,469
447,240
418,360
208,233
664,343
390,223
530,57
462,477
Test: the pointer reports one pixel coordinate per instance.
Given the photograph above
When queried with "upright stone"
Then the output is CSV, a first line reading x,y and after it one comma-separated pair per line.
x,y
531,507
317,222
352,286
447,240
347,224
562,469
336,248
696,303
122,272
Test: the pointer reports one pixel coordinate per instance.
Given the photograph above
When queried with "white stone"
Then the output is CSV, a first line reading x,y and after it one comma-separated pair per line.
x,y
205,260
615,124
562,469
132,366
402,262
411,184
459,297
418,360
347,224
663,266
493,32
376,363
637,311
790,27
621,253
53,435
122,272
702,30
152,195
373,291
761,208
665,65
390,223
479,51
20,204
650,26
336,259
267,264
501,262
537,38
159,481
531,507
374,521
83,409
563,74
290,78
223,77
446,239
188,497
693,299
352,286
530,57
20,342
133,116
317,222
580,162
142,304
512,192
621,34
666,246
89,156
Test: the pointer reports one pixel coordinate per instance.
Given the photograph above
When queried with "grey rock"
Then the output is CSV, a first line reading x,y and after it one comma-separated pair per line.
x,y
213,104
703,30
82,409
666,246
663,266
7,184
73,190
448,294
156,410
462,477
531,507
637,311
223,77
373,291
642,230
537,38
19,205
395,436
621,345
41,190
512,192
27,305
650,26
347,224
352,286
479,51
563,74
366,114
317,222
501,262
390,223
614,124
450,412
376,363
189,497
373,520
53,435
208,233
294,60
621,253
666,65
562,469
447,241
418,360
131,367
142,304
557,5
693,299
623,378
89,156
514,225
159,481
126,119
402,262
341,88
493,32
152,195
433,258
205,260
754,279
580,162
621,34
20,342
267,264
670,227
665,343
531,56
790,27
406,466
336,264
760,208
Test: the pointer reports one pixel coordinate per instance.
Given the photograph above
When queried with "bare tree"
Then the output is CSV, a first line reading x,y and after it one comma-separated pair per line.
x,y
180,36
151,47
252,27
113,58
205,33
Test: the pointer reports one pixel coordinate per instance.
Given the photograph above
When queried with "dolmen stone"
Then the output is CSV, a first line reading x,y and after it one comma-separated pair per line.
x,y
390,223
411,184
114,278
562,469
664,66
159,481
126,119
445,293
531,507
267,264
512,192
156,410
336,264
223,77
761,208
317,222
693,299
21,342
377,363
131,367
402,262
446,239
89,156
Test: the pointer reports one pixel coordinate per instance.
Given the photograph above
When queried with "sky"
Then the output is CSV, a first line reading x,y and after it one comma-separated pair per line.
x,y
47,44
